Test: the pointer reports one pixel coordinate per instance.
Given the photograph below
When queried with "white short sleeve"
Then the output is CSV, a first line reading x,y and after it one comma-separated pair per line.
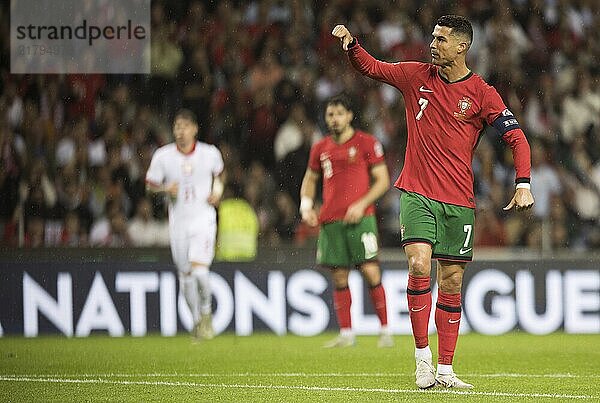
x,y
218,162
156,173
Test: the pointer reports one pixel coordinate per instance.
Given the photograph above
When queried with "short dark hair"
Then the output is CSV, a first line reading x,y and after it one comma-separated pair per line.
x,y
187,115
459,24
340,99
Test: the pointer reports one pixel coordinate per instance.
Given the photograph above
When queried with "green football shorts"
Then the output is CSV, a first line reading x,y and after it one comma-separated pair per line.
x,y
347,245
446,227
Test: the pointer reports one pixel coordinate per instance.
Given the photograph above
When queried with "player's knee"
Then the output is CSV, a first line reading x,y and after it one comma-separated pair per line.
x,y
340,283
339,278
452,283
372,274
419,266
373,280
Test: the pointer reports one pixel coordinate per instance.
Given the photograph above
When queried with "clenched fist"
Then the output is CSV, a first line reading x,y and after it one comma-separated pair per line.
x,y
340,31
522,200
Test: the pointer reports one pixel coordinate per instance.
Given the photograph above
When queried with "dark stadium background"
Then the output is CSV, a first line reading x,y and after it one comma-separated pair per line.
x,y
257,73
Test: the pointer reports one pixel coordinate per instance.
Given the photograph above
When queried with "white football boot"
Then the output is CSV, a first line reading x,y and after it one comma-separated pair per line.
x,y
205,329
385,340
341,341
452,381
425,374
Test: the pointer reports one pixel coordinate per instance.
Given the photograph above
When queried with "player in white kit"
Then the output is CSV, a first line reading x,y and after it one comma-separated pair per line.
x,y
190,173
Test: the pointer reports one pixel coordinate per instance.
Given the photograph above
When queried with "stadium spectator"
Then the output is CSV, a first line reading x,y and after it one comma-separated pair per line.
x,y
390,32
73,196
561,224
81,94
35,225
12,164
265,74
437,178
289,135
259,191
99,184
196,81
144,230
489,230
290,169
547,181
72,233
286,217
352,167
167,57
262,128
52,106
12,105
110,230
38,185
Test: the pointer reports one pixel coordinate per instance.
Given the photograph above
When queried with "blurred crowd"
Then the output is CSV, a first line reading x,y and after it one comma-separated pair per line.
x,y
75,148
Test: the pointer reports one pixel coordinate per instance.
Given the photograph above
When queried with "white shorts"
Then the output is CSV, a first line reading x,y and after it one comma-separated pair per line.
x,y
193,245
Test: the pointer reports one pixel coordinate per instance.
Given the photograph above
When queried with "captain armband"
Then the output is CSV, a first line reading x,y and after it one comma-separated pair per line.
x,y
506,122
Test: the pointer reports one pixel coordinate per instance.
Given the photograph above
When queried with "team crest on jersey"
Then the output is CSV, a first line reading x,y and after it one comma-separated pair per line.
x,y
464,105
352,154
187,168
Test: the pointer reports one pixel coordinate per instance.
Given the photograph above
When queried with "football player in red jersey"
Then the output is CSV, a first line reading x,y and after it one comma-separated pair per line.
x,y
447,107
352,166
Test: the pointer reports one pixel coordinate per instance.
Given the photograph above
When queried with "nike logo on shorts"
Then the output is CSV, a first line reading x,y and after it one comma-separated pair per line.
x,y
418,309
423,89
462,251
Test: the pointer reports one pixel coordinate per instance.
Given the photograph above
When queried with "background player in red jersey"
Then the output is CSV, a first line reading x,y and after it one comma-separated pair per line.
x,y
447,107
351,163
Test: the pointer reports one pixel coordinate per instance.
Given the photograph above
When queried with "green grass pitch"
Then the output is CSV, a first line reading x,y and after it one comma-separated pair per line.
x,y
514,367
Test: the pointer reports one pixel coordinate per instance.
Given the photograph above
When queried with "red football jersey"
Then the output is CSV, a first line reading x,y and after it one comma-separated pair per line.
x,y
345,169
444,123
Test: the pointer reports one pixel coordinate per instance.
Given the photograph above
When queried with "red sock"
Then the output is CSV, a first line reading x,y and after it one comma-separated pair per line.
x,y
342,300
377,294
419,308
447,321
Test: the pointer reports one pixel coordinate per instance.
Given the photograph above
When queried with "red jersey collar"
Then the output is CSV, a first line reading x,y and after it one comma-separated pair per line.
x,y
349,138
188,153
444,79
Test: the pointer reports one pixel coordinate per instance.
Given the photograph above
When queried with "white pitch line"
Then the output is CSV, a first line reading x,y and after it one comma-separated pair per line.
x,y
300,375
511,375
295,387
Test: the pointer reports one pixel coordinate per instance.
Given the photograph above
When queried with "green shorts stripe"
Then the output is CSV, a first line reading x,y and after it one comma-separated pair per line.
x,y
446,227
348,245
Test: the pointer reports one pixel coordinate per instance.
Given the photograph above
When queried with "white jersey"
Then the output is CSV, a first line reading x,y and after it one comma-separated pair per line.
x,y
194,173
